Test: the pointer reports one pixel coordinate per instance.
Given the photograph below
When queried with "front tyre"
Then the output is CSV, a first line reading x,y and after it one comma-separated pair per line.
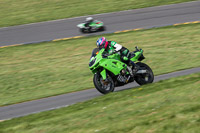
x,y
103,86
82,30
144,78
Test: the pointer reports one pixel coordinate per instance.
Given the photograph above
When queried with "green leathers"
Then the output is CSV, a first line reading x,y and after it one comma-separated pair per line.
x,y
115,47
112,47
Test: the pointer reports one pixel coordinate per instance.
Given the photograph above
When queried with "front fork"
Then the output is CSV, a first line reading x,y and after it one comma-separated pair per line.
x,y
103,74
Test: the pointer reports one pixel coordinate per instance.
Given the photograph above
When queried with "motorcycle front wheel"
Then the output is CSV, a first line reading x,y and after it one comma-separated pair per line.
x,y
103,86
82,30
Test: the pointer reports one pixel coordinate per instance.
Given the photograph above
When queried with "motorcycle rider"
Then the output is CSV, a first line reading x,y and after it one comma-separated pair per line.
x,y
112,47
88,21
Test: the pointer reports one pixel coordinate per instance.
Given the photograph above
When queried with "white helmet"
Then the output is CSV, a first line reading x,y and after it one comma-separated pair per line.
x,y
89,19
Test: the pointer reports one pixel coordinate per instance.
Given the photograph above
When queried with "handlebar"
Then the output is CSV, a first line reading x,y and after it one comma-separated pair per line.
x,y
137,49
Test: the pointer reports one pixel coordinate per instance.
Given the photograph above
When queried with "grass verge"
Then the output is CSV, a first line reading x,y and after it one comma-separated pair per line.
x,y
166,106
17,12
40,70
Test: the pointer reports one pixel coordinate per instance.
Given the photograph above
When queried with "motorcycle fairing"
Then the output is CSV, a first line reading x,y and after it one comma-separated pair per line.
x,y
111,65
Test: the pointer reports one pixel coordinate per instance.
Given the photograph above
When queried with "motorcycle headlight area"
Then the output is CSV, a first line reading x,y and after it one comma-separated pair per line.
x,y
92,62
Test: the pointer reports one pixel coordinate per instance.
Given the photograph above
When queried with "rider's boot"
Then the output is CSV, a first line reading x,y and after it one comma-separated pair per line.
x,y
134,67
126,59
130,70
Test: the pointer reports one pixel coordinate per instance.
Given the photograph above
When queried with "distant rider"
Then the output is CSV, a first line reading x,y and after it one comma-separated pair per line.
x,y
112,47
88,21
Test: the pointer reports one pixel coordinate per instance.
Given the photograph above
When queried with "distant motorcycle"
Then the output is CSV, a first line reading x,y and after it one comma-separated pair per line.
x,y
109,71
94,26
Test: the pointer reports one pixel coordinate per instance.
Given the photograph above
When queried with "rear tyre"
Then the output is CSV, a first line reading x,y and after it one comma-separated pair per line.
x,y
103,28
144,78
103,87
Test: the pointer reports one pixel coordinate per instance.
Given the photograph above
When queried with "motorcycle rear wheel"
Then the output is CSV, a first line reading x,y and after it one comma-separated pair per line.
x,y
145,78
103,87
103,28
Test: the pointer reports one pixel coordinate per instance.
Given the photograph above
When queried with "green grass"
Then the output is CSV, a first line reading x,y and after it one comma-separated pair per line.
x,y
169,106
40,70
17,12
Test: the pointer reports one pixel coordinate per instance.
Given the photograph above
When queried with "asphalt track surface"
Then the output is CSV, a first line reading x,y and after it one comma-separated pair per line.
x,y
117,21
35,106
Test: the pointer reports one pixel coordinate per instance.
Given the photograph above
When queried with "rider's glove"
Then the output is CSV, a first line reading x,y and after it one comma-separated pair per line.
x,y
125,58
105,55
112,51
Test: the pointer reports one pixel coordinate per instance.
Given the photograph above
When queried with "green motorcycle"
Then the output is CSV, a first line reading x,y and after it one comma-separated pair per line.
x,y
109,71
93,27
